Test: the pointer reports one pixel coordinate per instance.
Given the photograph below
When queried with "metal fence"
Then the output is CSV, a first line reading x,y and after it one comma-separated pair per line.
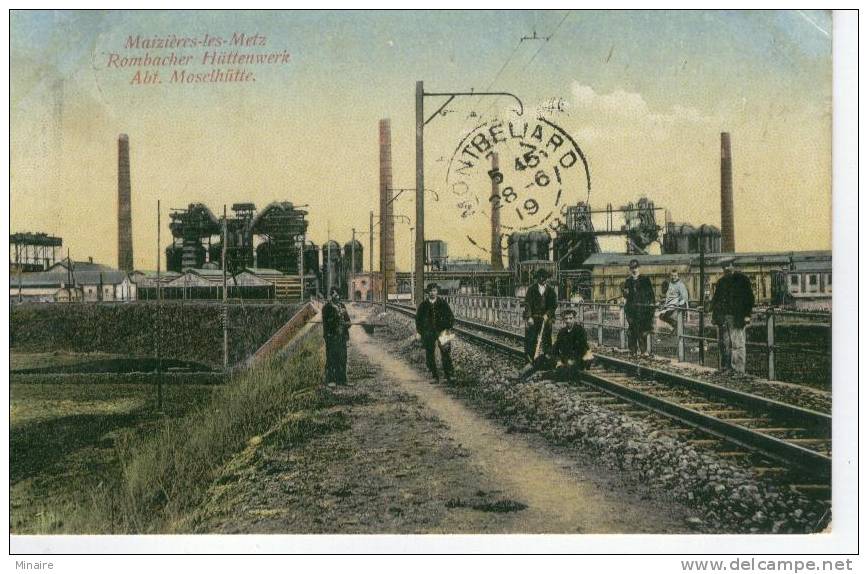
x,y
781,345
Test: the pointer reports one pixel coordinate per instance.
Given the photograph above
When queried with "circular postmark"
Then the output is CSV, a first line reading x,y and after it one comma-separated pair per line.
x,y
540,172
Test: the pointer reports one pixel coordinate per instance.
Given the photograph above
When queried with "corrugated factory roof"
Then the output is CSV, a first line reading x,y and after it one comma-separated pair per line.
x,y
262,271
194,279
58,278
247,279
80,266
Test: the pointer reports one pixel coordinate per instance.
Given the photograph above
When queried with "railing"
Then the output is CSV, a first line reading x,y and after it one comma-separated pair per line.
x,y
781,345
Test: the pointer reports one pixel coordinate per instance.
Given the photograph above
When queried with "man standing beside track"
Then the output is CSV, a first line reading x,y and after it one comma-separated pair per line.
x,y
731,308
434,318
639,309
540,304
336,332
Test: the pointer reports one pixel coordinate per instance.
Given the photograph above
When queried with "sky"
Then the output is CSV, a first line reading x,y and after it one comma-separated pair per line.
x,y
644,95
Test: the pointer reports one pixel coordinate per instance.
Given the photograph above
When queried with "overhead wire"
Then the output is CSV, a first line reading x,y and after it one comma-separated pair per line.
x,y
542,45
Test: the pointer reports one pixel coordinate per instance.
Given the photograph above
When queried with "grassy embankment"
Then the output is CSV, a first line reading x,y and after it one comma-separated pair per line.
x,y
119,469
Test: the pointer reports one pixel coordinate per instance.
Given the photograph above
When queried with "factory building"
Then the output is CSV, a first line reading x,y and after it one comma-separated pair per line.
x,y
81,281
267,243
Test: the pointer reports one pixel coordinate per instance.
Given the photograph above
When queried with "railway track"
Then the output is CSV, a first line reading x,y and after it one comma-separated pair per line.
x,y
770,436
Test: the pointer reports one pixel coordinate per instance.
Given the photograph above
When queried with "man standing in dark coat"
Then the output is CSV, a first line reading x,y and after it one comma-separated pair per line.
x,y
336,332
540,303
571,347
731,308
639,307
433,317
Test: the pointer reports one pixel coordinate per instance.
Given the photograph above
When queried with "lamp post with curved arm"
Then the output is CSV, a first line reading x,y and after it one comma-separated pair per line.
x,y
421,122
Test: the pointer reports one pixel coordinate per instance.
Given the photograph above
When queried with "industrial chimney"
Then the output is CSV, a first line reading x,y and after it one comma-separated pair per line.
x,y
494,200
387,221
125,218
727,225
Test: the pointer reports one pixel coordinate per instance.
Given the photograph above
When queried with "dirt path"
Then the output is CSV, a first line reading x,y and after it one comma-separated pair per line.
x,y
557,500
391,453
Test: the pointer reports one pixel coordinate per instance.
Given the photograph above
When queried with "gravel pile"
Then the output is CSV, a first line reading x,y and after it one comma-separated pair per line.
x,y
727,497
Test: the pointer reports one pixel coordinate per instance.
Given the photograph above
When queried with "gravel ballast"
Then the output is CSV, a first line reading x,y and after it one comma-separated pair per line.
x,y
727,497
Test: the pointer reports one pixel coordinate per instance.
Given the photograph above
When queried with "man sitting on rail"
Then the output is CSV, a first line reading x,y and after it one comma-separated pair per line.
x,y
571,348
676,299
434,319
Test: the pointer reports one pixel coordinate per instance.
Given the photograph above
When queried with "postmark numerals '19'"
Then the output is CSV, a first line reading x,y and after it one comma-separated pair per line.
x,y
542,172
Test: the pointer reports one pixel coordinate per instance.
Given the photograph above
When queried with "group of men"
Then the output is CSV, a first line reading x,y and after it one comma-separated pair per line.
x,y
434,321
570,353
731,309
731,305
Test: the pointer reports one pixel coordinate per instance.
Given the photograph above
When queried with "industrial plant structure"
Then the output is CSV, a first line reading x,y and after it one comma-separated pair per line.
x,y
30,252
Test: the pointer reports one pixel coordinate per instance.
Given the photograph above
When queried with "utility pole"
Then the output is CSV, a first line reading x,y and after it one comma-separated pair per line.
x,y
225,308
18,264
371,253
383,266
301,267
412,273
352,286
419,264
328,292
68,274
702,295
159,321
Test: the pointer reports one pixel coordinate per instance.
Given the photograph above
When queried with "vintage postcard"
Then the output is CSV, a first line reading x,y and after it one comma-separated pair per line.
x,y
421,272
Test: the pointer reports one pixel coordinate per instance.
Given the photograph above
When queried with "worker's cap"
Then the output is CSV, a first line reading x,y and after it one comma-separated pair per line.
x,y
727,262
432,286
541,274
634,263
568,313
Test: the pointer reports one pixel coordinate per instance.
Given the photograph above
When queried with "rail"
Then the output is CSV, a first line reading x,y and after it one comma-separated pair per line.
x,y
786,449
804,337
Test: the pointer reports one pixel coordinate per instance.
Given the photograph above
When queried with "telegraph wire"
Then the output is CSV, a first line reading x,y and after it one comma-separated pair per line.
x,y
545,40
550,36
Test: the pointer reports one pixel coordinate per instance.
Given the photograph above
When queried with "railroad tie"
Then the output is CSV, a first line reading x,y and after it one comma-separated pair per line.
x,y
704,441
763,470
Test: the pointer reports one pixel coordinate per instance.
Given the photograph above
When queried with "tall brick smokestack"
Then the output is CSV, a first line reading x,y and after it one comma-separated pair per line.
x,y
387,222
125,217
727,224
494,200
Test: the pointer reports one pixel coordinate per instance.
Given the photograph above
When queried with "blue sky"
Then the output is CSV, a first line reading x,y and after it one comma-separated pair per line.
x,y
649,92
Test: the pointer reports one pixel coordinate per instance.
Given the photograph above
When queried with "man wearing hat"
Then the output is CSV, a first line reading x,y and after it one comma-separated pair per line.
x,y
639,308
433,317
336,332
540,303
731,308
